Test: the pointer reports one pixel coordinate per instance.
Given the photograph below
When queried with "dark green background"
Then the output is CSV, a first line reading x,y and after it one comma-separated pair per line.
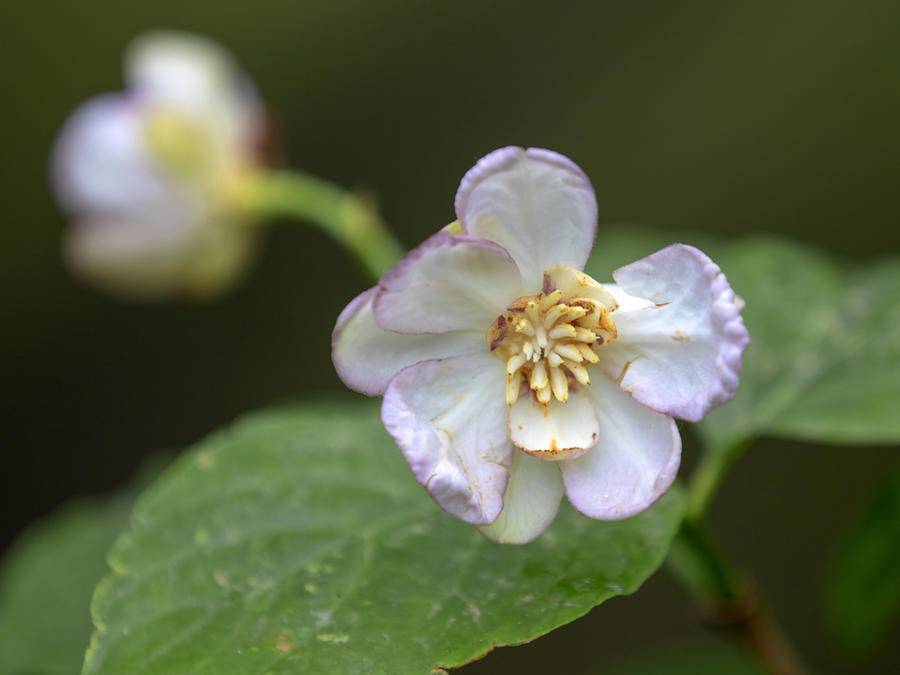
x,y
728,117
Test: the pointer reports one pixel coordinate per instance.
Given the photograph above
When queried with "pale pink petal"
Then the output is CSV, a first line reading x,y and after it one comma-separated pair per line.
x,y
156,259
634,462
554,431
449,418
366,356
624,301
141,259
680,343
530,503
192,74
101,167
450,282
537,204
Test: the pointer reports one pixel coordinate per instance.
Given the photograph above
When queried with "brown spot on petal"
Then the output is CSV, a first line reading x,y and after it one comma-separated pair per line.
x,y
519,304
548,286
680,336
496,333
555,453
622,374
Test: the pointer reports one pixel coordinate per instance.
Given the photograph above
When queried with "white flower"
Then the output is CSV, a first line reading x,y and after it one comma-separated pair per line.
x,y
150,176
510,377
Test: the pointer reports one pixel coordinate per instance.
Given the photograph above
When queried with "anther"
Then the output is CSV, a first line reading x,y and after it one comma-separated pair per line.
x,y
539,376
515,362
553,314
568,352
587,353
563,330
513,385
584,335
551,299
579,371
559,384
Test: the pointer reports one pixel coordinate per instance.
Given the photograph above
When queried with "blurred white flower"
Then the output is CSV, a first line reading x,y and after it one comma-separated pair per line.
x,y
151,176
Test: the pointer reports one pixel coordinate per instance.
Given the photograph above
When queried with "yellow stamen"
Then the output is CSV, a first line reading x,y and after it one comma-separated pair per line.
x,y
579,371
513,385
553,314
515,362
544,395
548,301
568,351
563,330
559,384
539,376
587,353
549,340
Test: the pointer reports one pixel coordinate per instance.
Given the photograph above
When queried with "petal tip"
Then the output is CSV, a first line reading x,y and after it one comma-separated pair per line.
x,y
467,482
648,279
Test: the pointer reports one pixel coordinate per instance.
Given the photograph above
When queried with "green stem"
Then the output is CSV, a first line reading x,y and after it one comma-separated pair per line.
x,y
350,219
723,598
701,570
728,602
709,476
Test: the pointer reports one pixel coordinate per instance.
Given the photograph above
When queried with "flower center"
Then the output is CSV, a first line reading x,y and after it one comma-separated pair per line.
x,y
547,342
178,143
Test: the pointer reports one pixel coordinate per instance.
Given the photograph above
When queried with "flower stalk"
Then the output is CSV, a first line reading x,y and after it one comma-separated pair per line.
x,y
350,219
709,476
724,598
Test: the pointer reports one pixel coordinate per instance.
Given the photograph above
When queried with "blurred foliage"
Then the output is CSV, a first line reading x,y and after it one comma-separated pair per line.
x,y
689,659
48,576
864,581
46,583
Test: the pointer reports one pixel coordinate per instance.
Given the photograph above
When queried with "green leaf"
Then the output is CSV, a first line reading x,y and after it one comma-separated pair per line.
x,y
48,576
825,348
692,659
863,587
298,542
825,340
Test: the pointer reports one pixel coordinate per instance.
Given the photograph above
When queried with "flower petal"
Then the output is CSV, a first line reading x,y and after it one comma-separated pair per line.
x,y
101,166
531,501
680,353
449,418
155,259
140,259
195,75
554,431
634,462
537,204
448,283
366,356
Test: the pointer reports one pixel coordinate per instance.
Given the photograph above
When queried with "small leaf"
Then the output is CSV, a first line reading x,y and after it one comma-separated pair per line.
x,y
864,583
48,576
298,542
